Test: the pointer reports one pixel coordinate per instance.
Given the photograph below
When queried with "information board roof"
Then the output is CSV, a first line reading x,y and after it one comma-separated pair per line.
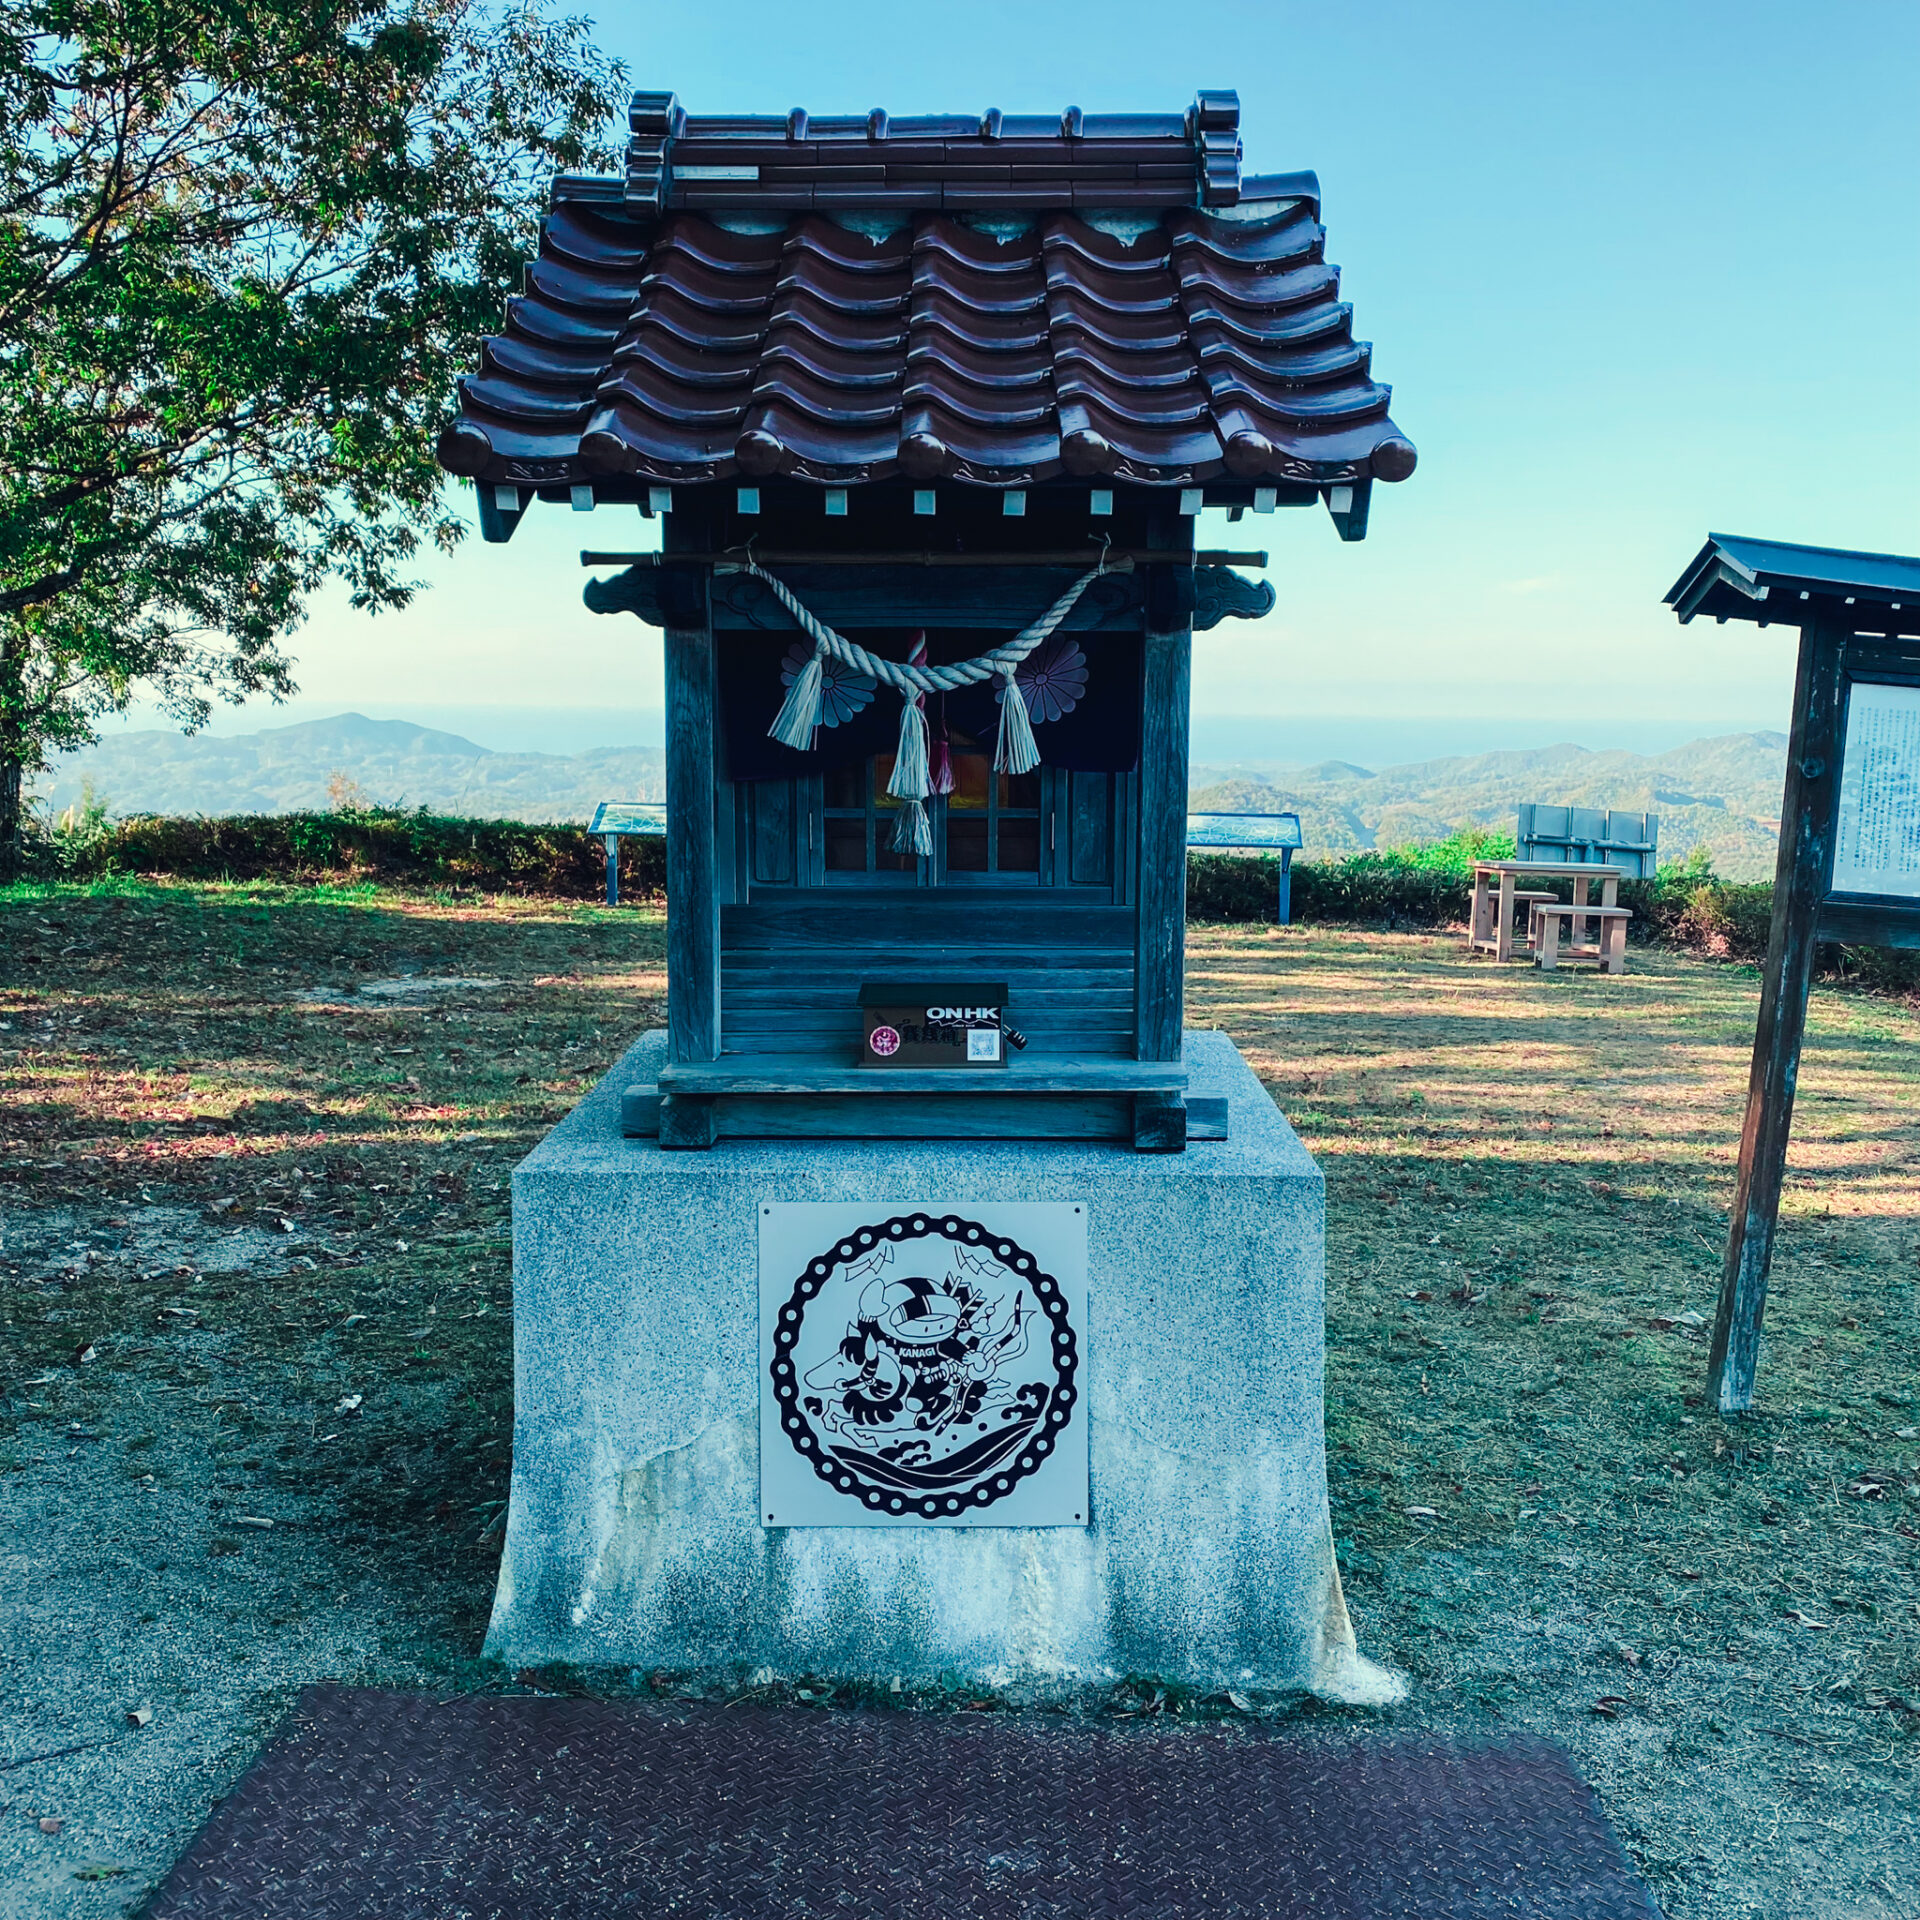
x,y
1774,582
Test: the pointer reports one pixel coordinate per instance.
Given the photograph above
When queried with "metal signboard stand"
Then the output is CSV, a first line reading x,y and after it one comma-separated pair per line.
x,y
612,818
1252,833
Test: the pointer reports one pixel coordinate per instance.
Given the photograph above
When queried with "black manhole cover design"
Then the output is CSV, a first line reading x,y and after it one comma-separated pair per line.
x,y
925,1364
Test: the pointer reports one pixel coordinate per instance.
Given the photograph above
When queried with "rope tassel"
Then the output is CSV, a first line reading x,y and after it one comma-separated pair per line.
x,y
909,781
1015,750
911,834
799,714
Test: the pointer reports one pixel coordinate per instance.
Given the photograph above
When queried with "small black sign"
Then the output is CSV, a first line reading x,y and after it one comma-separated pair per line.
x,y
920,1023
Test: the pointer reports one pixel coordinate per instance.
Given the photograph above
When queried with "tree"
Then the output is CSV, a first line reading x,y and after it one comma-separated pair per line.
x,y
245,247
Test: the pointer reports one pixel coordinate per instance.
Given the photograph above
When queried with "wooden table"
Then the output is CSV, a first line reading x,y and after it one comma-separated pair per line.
x,y
1490,923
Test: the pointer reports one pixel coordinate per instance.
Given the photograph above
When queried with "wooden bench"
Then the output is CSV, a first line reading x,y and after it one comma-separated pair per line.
x,y
1525,900
1610,950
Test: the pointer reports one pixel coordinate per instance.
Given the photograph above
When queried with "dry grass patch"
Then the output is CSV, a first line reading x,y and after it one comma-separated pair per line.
x,y
1527,1181
254,1203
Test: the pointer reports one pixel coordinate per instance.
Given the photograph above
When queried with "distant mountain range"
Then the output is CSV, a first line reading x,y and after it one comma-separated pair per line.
x,y
380,762
1722,794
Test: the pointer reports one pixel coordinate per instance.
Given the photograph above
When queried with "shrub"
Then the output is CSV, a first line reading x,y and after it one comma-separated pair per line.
x,y
1426,886
408,849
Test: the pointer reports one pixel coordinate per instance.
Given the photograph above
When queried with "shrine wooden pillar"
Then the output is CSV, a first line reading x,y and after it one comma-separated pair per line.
x,y
693,891
1160,938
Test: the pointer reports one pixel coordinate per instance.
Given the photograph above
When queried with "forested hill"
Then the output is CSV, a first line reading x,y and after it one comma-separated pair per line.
x,y
1723,794
378,762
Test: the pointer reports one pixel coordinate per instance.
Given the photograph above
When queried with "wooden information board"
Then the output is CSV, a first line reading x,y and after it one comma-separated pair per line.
x,y
1849,864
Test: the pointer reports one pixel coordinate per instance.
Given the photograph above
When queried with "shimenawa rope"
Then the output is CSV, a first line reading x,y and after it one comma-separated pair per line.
x,y
1015,750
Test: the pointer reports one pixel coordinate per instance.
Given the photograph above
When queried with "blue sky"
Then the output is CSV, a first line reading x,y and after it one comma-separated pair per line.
x,y
1633,270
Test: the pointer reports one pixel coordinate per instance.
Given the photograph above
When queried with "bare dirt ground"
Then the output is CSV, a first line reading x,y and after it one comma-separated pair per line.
x,y
254,1147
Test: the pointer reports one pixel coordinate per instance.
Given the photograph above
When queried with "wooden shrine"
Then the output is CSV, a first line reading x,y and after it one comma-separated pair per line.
x,y
1849,864
898,394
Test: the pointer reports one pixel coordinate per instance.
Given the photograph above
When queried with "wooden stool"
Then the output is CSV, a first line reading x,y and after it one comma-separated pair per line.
x,y
1610,952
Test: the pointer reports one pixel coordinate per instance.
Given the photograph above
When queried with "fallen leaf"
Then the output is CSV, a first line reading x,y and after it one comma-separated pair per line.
x,y
51,1824
139,1716
1684,1573
349,1403
1239,1702
85,1352
1531,1488
1421,1513
1608,1706
258,1521
1424,1388
1807,1620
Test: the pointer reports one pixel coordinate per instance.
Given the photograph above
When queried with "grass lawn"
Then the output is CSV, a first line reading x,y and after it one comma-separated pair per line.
x,y
254,1163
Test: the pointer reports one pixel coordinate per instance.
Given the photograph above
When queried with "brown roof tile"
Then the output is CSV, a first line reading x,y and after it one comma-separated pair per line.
x,y
831,313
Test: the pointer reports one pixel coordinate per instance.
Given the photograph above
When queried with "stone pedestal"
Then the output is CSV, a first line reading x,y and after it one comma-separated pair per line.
x,y
635,1537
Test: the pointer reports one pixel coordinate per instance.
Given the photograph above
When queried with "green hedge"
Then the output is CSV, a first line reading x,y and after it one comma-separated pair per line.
x,y
1685,907
408,849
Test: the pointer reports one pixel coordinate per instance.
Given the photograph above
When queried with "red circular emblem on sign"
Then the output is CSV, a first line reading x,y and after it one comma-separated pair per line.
x,y
884,1040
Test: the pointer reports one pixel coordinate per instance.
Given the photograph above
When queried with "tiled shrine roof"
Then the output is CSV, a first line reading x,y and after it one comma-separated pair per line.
x,y
1002,300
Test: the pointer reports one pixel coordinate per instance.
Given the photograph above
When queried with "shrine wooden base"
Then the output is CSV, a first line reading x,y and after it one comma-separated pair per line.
x,y
764,1096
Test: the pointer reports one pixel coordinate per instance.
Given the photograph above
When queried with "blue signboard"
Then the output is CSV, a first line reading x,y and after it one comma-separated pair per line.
x,y
1249,830
1253,833
631,816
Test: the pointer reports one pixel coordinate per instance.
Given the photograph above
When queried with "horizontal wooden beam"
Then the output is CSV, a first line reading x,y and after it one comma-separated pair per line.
x,y
911,596
1869,923
1074,557
810,1073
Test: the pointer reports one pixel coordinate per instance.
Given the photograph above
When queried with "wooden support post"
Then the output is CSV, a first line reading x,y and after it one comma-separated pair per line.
x,y
1285,912
693,897
687,1120
1503,922
613,869
1800,879
1159,1123
1160,940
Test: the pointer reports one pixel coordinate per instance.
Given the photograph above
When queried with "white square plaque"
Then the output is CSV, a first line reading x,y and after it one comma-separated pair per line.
x,y
923,1364
1877,845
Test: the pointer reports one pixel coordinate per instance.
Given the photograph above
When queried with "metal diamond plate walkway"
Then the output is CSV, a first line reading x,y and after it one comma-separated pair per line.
x,y
402,1805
